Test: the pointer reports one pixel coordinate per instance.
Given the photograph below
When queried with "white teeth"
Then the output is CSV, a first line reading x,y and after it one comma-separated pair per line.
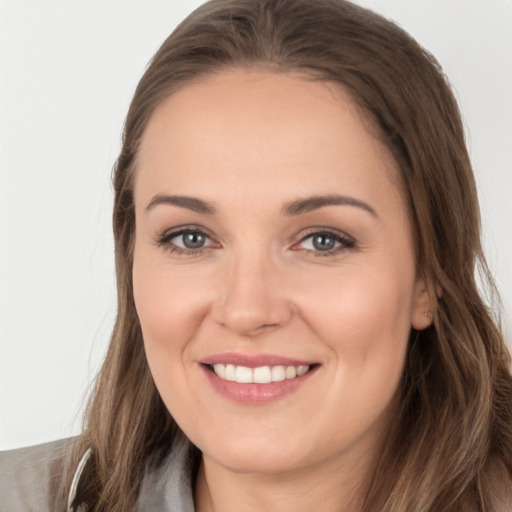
x,y
243,374
260,375
278,373
301,370
290,372
230,372
220,370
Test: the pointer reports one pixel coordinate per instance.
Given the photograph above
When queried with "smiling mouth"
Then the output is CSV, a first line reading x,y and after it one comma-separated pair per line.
x,y
260,374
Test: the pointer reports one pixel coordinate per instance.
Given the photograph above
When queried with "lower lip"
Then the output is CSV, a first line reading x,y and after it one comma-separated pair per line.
x,y
254,394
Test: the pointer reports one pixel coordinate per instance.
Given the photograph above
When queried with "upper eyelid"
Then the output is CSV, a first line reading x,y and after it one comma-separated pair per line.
x,y
320,229
178,230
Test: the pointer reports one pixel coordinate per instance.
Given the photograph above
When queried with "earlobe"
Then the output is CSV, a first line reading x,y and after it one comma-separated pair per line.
x,y
422,313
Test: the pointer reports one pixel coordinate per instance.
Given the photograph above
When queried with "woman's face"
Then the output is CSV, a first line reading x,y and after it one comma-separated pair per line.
x,y
272,240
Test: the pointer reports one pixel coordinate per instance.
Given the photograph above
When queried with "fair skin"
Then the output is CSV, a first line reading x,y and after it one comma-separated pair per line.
x,y
247,270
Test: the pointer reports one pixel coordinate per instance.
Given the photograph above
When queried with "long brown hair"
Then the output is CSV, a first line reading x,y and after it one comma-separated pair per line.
x,y
450,447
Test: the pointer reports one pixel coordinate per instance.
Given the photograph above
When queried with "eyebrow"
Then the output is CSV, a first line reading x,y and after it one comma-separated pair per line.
x,y
301,206
190,203
293,208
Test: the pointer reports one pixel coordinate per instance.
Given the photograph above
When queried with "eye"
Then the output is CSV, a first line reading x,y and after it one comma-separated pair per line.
x,y
325,242
190,240
185,241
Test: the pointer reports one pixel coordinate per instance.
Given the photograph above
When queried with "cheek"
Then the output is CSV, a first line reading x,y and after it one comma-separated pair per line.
x,y
169,312
361,309
169,304
366,325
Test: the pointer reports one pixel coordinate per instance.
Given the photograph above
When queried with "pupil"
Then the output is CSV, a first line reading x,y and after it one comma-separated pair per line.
x,y
323,242
193,240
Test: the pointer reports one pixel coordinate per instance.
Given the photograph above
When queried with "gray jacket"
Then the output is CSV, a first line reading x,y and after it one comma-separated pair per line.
x,y
30,477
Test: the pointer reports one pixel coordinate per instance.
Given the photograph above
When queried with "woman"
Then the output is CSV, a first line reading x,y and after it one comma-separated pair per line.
x,y
299,327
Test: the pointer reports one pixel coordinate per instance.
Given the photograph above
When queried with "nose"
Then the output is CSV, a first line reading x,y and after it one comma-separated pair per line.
x,y
252,297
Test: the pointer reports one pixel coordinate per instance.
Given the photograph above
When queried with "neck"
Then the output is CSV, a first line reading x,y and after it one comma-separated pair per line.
x,y
329,486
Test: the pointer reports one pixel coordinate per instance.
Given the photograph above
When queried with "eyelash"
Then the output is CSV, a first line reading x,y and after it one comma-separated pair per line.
x,y
164,241
345,241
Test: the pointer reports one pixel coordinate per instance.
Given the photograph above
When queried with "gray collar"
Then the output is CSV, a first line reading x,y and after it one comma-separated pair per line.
x,y
167,488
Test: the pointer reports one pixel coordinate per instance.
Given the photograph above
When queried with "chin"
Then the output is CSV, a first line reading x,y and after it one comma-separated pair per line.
x,y
257,457
256,464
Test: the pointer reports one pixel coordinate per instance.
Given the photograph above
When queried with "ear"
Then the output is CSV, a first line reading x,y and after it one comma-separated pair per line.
x,y
422,311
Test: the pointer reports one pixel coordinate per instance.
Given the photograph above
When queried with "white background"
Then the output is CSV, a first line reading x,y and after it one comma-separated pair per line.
x,y
68,69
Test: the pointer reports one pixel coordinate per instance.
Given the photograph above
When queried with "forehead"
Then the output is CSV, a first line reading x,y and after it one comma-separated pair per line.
x,y
253,128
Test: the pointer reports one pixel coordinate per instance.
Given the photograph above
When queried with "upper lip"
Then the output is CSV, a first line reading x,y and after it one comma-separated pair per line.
x,y
254,360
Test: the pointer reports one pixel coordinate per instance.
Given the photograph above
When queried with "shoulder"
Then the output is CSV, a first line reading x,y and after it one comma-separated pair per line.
x,y
30,477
